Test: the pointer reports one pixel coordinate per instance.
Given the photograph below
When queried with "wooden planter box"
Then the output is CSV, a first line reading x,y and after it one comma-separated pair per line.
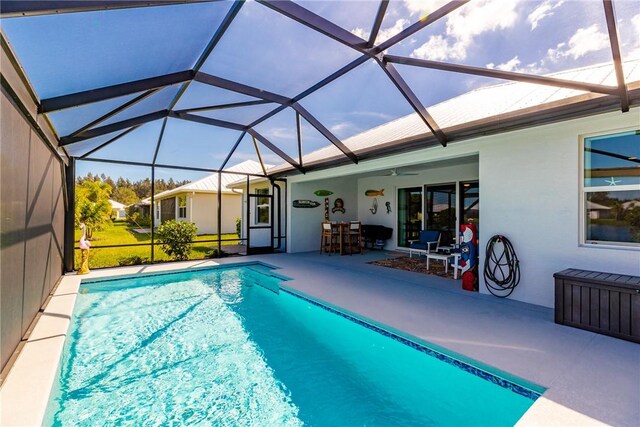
x,y
600,302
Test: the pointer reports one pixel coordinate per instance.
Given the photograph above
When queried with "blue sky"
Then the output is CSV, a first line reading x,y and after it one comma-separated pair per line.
x,y
74,52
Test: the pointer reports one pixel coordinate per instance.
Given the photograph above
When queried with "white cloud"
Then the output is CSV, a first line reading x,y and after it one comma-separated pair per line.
x,y
344,128
280,133
582,42
543,11
361,32
464,25
510,65
437,48
423,7
634,44
514,65
386,33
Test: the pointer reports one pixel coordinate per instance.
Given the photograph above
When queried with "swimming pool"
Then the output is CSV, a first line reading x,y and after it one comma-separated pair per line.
x,y
230,346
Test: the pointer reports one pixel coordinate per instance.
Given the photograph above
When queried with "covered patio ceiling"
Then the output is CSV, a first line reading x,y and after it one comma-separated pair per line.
x,y
204,85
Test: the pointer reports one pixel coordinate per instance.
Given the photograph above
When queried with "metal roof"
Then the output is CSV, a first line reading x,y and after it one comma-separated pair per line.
x,y
478,104
209,184
204,85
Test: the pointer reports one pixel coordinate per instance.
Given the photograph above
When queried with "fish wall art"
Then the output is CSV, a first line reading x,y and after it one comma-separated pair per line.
x,y
374,207
323,193
374,193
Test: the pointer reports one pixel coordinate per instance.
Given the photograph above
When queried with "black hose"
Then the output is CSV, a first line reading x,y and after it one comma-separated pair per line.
x,y
501,271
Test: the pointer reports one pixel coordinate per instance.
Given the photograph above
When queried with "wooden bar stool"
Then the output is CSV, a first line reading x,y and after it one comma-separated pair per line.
x,y
328,238
355,236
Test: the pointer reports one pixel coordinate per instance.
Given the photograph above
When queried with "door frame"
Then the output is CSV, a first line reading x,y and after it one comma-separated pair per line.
x,y
250,226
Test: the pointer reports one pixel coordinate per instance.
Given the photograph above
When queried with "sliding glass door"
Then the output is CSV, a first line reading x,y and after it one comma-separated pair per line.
x,y
470,203
409,214
441,211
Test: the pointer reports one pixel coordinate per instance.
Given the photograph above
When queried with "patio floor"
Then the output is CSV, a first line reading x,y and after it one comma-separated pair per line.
x,y
590,379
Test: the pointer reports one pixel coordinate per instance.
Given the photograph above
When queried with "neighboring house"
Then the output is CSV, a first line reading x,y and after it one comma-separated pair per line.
x,y
118,210
598,211
197,202
143,207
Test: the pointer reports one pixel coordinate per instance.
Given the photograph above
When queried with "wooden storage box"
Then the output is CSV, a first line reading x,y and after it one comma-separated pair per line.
x,y
600,302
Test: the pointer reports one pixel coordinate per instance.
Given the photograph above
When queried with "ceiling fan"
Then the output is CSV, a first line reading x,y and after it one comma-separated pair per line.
x,y
394,172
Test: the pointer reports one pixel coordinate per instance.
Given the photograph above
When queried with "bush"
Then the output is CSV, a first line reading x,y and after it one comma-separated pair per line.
x,y
238,226
133,260
140,220
215,254
176,238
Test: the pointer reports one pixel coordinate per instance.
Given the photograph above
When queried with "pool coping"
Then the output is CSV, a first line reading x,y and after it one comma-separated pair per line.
x,y
25,393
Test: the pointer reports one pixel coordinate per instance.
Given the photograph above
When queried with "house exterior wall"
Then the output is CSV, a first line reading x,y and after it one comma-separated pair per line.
x,y
304,223
32,223
202,209
529,192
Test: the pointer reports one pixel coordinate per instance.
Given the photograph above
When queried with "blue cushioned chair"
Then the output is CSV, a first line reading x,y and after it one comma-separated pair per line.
x,y
428,241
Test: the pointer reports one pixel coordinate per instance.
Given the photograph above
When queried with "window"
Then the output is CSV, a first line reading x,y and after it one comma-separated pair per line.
x,y
611,189
263,207
182,206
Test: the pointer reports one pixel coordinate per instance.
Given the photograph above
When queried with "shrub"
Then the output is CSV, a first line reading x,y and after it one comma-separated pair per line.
x,y
133,260
176,238
215,254
140,220
238,226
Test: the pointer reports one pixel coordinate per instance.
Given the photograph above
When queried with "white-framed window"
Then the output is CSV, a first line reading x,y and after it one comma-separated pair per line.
x,y
263,207
611,189
182,206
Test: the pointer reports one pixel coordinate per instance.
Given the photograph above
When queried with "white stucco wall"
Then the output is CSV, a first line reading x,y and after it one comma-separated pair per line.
x,y
304,223
202,209
529,192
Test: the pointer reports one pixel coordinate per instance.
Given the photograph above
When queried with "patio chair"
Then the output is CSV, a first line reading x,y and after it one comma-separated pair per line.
x,y
328,239
428,240
355,236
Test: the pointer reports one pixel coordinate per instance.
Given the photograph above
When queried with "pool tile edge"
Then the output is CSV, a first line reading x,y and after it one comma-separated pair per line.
x,y
25,393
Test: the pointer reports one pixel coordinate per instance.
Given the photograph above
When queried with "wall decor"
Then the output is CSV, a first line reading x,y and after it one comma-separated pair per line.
x,y
326,209
388,205
374,207
323,193
374,193
338,206
305,204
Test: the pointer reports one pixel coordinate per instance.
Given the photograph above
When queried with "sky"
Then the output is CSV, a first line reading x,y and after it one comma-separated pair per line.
x,y
81,51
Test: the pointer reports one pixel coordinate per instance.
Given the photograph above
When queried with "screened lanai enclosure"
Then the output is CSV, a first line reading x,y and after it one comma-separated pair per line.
x,y
230,98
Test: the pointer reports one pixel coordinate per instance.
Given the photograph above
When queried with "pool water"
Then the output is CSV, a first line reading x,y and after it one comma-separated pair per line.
x,y
228,347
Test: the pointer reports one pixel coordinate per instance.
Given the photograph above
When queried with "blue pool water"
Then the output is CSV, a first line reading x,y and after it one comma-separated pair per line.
x,y
226,347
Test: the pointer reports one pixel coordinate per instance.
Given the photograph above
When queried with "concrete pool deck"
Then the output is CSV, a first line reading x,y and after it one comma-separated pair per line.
x,y
591,379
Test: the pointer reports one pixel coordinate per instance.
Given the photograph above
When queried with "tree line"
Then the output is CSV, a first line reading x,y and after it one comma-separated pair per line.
x,y
128,192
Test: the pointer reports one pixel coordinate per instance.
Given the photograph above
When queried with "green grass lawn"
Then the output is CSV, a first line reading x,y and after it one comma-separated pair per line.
x,y
119,233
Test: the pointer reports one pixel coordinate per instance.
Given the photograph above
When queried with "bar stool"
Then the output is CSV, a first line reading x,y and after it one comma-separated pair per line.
x,y
327,240
355,236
